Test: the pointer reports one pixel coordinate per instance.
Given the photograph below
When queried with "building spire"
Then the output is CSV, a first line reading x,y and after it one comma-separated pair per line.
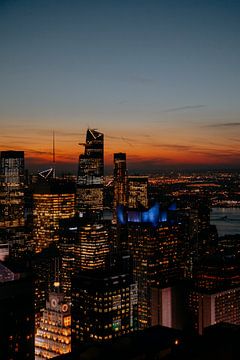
x,y
56,275
54,158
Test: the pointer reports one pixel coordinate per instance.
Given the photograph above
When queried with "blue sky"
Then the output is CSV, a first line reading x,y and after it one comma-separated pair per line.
x,y
155,72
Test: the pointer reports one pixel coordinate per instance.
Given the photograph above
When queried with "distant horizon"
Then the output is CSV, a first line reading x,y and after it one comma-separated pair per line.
x,y
71,169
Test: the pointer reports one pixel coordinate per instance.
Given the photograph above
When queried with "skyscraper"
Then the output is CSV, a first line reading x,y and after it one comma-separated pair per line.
x,y
90,173
137,191
84,245
212,307
53,336
104,304
120,180
155,245
11,189
51,202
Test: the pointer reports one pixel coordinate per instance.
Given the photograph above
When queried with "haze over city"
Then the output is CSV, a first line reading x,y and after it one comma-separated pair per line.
x,y
160,79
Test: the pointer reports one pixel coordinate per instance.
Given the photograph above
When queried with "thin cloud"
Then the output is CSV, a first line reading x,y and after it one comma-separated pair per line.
x,y
186,107
224,125
174,146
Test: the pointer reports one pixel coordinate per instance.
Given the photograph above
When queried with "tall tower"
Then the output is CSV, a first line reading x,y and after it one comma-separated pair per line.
x,y
53,336
11,189
120,180
104,304
84,245
90,173
137,191
51,202
155,244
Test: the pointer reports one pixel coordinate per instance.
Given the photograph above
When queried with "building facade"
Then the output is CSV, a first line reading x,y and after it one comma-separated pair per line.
x,y
11,189
53,335
90,173
103,306
120,180
51,202
137,191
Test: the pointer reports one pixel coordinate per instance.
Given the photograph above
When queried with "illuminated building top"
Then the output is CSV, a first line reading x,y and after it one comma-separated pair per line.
x,y
54,333
91,163
154,215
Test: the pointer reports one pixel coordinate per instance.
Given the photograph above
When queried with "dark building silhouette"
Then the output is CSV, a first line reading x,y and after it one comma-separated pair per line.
x,y
16,314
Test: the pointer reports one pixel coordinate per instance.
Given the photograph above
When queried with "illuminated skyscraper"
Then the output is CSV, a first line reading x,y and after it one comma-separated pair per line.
x,y
143,245
11,189
137,191
213,293
53,336
92,246
84,245
90,173
103,305
120,180
154,243
212,307
51,202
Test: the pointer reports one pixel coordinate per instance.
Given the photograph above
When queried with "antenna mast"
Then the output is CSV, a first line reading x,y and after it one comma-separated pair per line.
x,y
56,275
54,159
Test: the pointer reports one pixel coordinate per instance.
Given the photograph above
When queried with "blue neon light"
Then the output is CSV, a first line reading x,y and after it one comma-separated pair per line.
x,y
153,215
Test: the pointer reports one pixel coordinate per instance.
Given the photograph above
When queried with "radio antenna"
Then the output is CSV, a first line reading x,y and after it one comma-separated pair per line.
x,y
54,158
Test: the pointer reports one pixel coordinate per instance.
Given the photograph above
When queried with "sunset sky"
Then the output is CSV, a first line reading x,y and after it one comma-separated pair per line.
x,y
161,80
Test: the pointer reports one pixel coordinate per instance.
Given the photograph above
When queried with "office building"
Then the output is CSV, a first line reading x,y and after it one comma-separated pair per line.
x,y
11,189
212,307
53,335
90,173
155,245
137,191
103,306
120,180
84,245
52,201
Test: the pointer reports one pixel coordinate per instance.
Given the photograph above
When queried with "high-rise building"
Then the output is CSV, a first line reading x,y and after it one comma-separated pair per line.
x,y
120,180
11,189
51,202
143,245
211,307
90,173
53,335
155,246
214,290
168,307
137,191
92,246
103,305
43,267
84,245
16,314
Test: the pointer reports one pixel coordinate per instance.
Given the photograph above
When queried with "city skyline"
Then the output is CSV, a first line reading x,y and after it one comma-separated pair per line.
x,y
159,79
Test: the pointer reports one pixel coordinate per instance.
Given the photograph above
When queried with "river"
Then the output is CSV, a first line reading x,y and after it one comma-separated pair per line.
x,y
227,220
